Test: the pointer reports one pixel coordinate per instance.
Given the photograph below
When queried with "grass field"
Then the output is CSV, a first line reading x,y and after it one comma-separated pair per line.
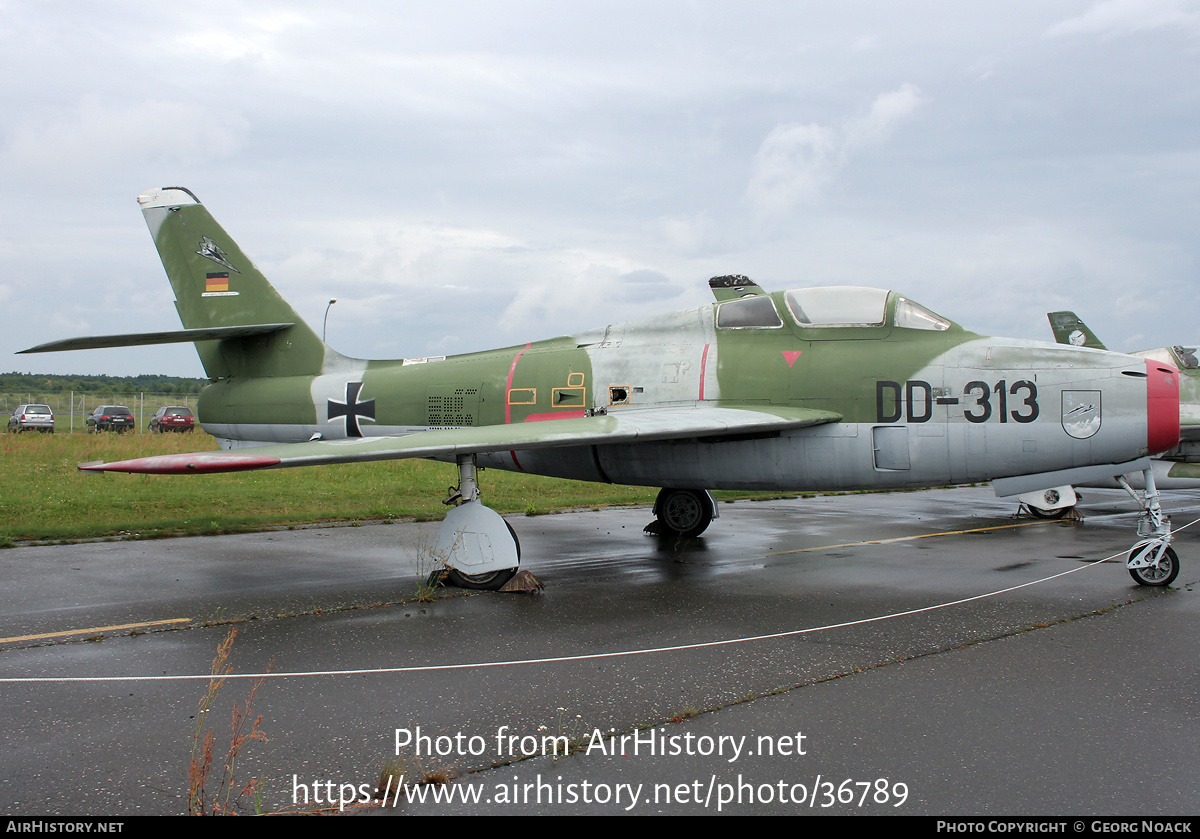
x,y
43,497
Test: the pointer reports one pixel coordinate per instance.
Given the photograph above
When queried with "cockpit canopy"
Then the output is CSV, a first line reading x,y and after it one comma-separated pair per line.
x,y
826,307
1178,356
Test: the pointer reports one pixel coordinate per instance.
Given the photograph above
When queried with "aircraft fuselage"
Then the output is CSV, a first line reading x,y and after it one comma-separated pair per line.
x,y
920,406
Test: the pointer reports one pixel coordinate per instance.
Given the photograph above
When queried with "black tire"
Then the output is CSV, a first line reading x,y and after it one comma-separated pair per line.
x,y
1163,575
1042,513
490,581
683,512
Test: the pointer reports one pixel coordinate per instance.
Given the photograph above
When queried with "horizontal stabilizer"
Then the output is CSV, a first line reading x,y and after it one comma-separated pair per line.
x,y
633,426
141,339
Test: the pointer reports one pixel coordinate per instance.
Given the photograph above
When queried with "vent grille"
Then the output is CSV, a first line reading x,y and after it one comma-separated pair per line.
x,y
455,407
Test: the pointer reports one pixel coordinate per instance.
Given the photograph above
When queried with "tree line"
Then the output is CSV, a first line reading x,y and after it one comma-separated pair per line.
x,y
45,382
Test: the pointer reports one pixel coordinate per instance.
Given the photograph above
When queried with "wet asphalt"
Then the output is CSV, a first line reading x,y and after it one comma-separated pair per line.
x,y
906,653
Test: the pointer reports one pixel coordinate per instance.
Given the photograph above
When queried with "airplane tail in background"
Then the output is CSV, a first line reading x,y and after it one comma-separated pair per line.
x,y
219,290
1069,329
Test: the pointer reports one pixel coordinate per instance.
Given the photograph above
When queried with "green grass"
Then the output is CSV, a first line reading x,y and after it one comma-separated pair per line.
x,y
43,497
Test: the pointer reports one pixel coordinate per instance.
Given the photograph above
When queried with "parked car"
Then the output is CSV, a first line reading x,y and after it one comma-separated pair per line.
x,y
116,418
173,418
29,417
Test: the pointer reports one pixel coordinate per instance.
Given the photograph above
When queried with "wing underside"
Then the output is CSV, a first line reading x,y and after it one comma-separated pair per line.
x,y
631,426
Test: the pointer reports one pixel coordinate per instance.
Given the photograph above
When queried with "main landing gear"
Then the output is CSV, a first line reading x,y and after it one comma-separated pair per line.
x,y
477,546
1152,562
1052,503
682,512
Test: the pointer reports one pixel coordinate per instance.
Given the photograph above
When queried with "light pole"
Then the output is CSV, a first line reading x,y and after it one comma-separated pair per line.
x,y
325,322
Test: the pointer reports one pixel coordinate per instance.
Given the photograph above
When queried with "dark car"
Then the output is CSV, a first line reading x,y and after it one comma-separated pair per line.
x,y
29,417
116,418
173,418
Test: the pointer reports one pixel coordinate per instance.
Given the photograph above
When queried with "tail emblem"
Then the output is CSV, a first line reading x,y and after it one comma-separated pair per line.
x,y
352,409
209,250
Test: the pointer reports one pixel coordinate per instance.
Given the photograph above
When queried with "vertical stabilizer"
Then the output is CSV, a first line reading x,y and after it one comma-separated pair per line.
x,y
216,285
1069,329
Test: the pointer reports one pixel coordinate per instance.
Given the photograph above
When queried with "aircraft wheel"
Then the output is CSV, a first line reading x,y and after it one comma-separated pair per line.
x,y
1043,513
683,512
1163,575
489,580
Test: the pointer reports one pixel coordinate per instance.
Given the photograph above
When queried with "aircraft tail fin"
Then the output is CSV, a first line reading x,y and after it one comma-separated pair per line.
x,y
1069,329
217,288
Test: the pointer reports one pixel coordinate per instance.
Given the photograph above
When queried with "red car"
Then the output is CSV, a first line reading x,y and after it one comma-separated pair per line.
x,y
173,418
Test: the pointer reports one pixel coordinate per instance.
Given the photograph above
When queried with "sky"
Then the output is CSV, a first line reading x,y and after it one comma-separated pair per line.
x,y
467,175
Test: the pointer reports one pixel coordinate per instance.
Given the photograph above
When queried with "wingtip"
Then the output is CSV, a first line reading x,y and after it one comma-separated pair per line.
x,y
197,463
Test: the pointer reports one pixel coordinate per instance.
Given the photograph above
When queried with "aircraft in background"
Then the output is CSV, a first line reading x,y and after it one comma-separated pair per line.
x,y
1069,329
1178,468
814,388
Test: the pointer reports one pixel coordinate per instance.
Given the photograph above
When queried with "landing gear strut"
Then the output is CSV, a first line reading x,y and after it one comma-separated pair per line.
x,y
682,512
1152,562
477,546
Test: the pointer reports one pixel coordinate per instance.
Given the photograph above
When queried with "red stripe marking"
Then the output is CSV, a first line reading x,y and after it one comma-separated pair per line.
x,y
703,368
557,415
507,407
508,384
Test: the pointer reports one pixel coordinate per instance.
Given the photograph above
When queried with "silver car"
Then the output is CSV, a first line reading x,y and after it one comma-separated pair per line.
x,y
29,417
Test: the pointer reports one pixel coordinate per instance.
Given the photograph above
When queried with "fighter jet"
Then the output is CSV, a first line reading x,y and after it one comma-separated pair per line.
x,y
810,388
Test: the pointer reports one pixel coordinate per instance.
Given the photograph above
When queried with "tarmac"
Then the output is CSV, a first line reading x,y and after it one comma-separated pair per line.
x,y
920,653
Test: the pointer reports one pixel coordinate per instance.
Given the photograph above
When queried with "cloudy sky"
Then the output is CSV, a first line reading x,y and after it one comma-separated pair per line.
x,y
465,175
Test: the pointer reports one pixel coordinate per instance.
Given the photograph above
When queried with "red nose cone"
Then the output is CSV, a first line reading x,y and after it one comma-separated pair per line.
x,y
1162,407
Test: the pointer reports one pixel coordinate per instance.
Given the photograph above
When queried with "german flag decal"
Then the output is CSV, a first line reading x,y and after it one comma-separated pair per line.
x,y
217,285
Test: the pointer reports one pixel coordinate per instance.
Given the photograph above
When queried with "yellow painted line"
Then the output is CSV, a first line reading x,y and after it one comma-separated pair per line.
x,y
910,538
93,630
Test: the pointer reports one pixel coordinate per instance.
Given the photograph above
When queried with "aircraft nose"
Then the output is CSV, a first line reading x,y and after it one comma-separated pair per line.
x,y
1162,407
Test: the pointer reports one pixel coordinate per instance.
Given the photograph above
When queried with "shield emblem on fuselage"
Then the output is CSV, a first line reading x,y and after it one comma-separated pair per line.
x,y
1081,413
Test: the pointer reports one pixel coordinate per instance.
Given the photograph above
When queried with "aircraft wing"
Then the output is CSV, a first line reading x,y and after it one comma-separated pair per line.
x,y
629,426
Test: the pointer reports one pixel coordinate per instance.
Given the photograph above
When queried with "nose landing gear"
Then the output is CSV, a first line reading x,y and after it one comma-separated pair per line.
x,y
1152,561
